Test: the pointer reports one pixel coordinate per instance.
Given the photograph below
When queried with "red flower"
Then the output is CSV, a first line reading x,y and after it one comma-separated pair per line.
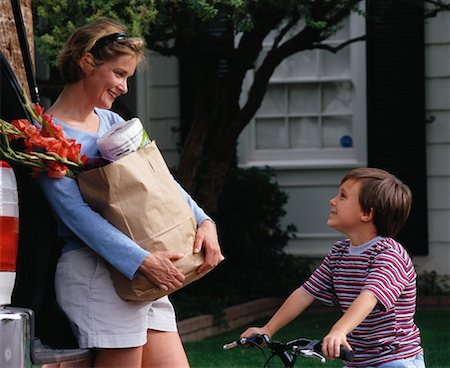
x,y
39,109
46,149
20,124
73,151
56,170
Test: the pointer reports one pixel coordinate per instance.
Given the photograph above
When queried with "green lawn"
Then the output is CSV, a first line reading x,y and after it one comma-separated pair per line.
x,y
434,326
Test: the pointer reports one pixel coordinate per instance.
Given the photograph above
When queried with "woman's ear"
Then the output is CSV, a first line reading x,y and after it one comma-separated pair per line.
x,y
87,63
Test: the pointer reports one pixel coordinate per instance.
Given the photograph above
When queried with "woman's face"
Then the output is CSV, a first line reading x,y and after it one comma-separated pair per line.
x,y
105,82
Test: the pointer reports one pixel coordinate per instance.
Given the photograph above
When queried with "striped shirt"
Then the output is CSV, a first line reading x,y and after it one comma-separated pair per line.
x,y
384,268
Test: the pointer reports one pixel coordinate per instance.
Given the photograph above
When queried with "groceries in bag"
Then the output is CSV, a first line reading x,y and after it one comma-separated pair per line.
x,y
122,139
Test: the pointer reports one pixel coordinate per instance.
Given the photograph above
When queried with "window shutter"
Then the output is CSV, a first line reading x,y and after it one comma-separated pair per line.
x,y
396,105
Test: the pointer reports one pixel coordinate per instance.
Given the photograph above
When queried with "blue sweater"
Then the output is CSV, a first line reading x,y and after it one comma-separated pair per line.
x,y
81,226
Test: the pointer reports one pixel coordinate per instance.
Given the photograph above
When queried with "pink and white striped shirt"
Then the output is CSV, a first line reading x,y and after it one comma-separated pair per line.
x,y
383,267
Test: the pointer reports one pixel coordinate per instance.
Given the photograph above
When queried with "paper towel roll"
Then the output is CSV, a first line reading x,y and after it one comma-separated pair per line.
x,y
122,139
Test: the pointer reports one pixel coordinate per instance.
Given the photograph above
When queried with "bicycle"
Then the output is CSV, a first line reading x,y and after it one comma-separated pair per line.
x,y
289,351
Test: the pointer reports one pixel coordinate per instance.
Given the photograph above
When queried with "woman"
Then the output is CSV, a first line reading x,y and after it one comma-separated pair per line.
x,y
95,65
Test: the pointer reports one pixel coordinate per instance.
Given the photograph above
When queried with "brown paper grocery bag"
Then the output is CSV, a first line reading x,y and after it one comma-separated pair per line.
x,y
139,196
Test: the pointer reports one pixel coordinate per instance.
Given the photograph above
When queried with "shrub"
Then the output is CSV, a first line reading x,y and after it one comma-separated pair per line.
x,y
429,283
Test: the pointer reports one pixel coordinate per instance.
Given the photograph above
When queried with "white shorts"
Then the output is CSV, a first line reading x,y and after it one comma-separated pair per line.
x,y
99,317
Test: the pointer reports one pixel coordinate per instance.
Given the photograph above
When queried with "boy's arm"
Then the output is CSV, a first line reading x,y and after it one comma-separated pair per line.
x,y
355,314
294,305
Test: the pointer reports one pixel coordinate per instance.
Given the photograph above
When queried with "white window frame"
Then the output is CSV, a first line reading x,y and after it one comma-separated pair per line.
x,y
324,157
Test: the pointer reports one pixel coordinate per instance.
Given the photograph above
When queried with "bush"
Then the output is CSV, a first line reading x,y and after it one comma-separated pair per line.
x,y
429,283
253,242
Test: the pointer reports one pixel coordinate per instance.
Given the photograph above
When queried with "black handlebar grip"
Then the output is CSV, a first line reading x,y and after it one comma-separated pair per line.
x,y
346,354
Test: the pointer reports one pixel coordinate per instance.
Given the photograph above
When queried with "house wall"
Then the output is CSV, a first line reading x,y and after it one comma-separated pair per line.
x,y
309,191
158,103
437,91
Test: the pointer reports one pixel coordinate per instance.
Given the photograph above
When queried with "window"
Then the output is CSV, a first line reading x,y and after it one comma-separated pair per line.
x,y
313,113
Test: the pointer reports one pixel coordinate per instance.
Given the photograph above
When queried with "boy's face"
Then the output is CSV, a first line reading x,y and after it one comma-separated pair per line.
x,y
346,214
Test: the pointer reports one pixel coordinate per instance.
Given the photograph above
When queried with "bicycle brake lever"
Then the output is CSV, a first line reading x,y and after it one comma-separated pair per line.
x,y
308,353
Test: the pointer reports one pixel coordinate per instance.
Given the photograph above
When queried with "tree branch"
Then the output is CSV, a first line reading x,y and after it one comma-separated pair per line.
x,y
335,49
285,30
305,39
341,13
439,7
299,42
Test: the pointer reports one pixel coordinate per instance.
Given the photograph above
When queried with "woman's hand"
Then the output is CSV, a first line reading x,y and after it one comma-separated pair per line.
x,y
206,239
158,267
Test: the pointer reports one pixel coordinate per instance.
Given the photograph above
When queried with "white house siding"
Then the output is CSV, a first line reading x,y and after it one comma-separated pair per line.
x,y
437,88
309,191
158,103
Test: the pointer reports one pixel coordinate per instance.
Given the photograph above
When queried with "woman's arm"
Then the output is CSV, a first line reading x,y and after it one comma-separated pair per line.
x,y
106,240
90,227
206,237
199,214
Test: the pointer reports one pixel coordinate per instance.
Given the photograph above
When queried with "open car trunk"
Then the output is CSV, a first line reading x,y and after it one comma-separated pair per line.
x,y
39,246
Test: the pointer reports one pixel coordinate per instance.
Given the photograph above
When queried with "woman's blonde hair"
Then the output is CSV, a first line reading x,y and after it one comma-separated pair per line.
x,y
388,196
104,39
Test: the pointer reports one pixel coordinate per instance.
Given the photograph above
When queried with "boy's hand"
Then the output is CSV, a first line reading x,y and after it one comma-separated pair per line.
x,y
256,331
331,343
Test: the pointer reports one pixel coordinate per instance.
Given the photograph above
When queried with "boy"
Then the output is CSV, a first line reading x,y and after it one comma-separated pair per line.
x,y
369,275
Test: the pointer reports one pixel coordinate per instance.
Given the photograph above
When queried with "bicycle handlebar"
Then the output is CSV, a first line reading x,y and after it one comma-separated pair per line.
x,y
253,340
289,351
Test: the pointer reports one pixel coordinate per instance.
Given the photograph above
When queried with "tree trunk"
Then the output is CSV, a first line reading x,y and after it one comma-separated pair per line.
x,y
9,41
211,104
217,166
208,152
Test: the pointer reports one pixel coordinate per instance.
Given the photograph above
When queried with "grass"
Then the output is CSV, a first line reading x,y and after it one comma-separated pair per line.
x,y
434,326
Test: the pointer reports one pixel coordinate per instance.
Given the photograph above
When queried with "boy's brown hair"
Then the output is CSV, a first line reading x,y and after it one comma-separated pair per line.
x,y
388,196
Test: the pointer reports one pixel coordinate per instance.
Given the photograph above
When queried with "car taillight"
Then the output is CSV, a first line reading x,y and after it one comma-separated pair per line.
x,y
9,218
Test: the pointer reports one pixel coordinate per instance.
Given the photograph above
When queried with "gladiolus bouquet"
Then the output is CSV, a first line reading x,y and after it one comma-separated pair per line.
x,y
44,148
